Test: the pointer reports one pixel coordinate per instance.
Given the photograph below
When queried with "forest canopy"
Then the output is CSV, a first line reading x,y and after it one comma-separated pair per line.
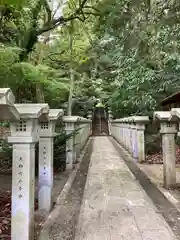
x,y
69,54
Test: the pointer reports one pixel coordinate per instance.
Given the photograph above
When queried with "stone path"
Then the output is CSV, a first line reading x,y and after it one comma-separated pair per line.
x,y
115,206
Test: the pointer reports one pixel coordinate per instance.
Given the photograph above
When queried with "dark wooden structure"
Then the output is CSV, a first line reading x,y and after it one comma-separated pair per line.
x,y
100,122
172,101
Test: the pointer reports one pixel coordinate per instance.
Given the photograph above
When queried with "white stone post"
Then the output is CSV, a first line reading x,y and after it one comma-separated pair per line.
x,y
89,116
123,135
115,129
24,135
168,131
69,146
130,137
140,142
70,125
140,127
77,140
126,134
46,152
134,141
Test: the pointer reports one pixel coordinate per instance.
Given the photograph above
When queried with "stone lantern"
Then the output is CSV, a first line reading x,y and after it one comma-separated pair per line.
x,y
168,131
7,108
46,150
24,135
175,117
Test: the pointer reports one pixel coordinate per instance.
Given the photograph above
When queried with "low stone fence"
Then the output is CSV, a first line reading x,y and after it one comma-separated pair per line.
x,y
130,133
29,124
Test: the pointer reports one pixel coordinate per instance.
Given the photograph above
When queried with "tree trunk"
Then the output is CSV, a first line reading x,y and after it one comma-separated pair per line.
x,y
39,93
39,88
71,70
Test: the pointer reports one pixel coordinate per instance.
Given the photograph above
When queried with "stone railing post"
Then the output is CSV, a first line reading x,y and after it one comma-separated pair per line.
x,y
131,134
168,131
140,127
120,133
89,116
70,122
84,131
75,143
46,152
110,116
77,139
115,129
24,135
134,141
126,133
111,126
130,137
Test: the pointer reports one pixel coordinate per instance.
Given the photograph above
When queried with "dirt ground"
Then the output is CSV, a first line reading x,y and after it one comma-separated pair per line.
x,y
5,199
59,182
155,173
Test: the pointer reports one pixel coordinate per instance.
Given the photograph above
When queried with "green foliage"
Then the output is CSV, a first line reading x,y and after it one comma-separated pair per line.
x,y
135,54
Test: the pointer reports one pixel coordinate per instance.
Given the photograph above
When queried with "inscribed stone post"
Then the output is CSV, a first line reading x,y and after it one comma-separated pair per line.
x,y
70,122
168,131
46,150
140,127
24,135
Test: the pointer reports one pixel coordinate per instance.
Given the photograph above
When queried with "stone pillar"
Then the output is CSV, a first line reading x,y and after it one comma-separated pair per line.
x,y
140,141
168,131
130,136
134,141
24,135
125,134
110,116
46,150
123,138
69,146
89,116
23,185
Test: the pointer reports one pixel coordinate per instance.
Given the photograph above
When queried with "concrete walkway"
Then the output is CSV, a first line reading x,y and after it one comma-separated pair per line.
x,y
115,206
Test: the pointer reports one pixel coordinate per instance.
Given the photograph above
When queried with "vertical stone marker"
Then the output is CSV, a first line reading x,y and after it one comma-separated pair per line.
x,y
116,129
134,141
70,122
46,149
140,127
130,136
24,135
84,131
168,131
